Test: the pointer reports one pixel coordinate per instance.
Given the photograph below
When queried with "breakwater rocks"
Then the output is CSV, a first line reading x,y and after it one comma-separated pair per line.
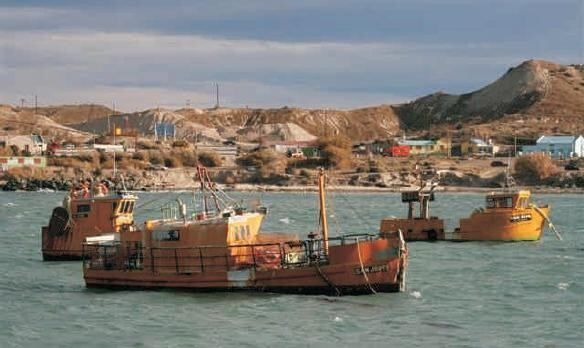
x,y
23,184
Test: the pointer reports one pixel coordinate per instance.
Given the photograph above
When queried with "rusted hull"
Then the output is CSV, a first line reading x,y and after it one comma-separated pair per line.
x,y
63,255
315,290
415,229
61,248
329,280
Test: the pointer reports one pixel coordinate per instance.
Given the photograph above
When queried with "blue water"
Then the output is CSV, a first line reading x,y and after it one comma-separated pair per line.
x,y
459,294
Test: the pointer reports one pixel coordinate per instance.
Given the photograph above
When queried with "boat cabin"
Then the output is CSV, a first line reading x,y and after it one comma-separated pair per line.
x,y
85,214
508,200
104,214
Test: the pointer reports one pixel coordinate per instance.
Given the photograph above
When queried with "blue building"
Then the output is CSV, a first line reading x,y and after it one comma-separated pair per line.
x,y
558,146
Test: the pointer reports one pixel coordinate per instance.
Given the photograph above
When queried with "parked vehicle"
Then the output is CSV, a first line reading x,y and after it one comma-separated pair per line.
x,y
498,164
572,166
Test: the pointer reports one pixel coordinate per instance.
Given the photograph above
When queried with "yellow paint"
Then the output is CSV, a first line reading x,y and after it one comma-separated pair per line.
x,y
507,217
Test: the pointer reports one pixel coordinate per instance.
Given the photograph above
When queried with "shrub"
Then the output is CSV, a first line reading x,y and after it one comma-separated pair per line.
x,y
267,161
534,168
180,143
155,158
171,161
210,159
146,145
188,158
140,156
6,151
336,151
304,173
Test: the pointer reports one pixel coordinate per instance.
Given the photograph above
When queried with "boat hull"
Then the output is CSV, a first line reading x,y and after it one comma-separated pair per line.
x,y
415,229
61,248
350,269
340,280
513,225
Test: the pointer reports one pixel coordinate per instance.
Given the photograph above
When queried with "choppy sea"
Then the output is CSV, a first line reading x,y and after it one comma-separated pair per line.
x,y
527,294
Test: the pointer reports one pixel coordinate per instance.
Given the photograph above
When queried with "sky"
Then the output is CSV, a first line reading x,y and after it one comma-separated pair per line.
x,y
271,53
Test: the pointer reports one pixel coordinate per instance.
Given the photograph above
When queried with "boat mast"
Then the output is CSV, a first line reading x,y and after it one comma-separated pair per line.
x,y
322,201
203,194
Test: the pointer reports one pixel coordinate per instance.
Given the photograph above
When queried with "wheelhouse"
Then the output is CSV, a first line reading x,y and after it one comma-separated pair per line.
x,y
515,200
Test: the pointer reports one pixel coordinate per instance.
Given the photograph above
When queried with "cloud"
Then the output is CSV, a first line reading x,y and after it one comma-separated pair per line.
x,y
67,66
308,53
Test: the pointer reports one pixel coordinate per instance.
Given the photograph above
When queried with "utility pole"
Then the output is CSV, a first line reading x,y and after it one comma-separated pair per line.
x,y
22,100
114,149
217,95
515,146
36,105
196,148
325,122
449,139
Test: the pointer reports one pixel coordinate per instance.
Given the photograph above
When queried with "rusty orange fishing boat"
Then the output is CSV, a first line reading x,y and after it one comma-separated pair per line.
x,y
422,227
509,215
221,249
89,210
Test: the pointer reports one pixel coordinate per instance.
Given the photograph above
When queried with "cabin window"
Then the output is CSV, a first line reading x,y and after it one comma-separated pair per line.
x,y
114,206
83,208
241,233
522,203
499,202
127,207
172,235
131,207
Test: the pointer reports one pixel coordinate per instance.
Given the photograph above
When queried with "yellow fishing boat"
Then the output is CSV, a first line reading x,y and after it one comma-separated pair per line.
x,y
508,216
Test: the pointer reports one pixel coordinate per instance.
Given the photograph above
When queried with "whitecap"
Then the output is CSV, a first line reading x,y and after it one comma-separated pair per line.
x,y
285,220
416,294
563,286
565,257
338,319
9,204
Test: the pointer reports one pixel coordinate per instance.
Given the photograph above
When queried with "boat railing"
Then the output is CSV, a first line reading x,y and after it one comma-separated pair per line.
x,y
188,260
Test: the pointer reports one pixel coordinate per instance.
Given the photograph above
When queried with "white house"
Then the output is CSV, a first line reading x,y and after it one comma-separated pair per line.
x,y
33,144
558,146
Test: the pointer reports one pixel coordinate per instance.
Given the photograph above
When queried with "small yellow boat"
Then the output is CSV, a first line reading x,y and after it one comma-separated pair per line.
x,y
508,216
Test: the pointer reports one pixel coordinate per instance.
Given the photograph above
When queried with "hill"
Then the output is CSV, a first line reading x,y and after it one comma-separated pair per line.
x,y
16,121
358,124
71,114
532,98
143,124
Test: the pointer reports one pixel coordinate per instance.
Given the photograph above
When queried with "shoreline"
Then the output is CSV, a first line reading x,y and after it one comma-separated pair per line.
x,y
359,189
365,189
